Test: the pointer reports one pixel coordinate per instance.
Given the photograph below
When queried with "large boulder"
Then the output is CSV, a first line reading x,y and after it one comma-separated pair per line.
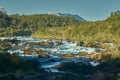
x,y
43,54
28,52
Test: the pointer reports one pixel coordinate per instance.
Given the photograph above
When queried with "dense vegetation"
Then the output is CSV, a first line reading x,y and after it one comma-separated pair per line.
x,y
85,31
5,20
25,25
60,27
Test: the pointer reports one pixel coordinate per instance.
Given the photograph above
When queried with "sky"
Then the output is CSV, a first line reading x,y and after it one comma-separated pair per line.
x,y
91,10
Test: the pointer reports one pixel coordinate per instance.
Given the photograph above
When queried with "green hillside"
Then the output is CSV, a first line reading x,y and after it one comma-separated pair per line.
x,y
25,25
106,30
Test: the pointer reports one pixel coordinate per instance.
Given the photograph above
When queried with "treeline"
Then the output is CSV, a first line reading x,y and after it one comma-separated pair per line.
x,y
16,25
36,20
43,20
5,20
114,22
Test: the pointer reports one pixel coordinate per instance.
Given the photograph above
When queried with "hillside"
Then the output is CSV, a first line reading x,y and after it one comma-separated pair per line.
x,y
99,30
21,25
60,27
67,15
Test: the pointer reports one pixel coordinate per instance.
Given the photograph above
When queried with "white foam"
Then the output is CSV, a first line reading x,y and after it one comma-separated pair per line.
x,y
93,63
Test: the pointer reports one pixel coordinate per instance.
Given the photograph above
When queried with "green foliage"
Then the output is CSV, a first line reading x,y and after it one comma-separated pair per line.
x,y
11,63
4,45
16,25
5,20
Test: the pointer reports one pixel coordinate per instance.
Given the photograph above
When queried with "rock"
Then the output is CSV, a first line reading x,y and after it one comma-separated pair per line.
x,y
27,46
46,43
43,54
93,56
28,52
58,43
67,56
38,50
82,54
65,65
34,52
80,43
31,43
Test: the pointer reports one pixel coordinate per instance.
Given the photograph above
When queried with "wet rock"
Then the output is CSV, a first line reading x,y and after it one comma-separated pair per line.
x,y
82,54
64,64
31,43
59,43
34,52
43,54
67,56
29,52
27,47
46,43
39,50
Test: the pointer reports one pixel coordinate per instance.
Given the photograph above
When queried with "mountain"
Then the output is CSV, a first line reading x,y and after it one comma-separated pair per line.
x,y
74,16
2,9
68,15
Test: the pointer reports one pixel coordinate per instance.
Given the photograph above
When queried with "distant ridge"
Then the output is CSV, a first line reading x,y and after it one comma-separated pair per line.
x,y
67,14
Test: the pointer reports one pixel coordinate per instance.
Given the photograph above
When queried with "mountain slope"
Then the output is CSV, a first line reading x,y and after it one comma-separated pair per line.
x,y
74,16
67,15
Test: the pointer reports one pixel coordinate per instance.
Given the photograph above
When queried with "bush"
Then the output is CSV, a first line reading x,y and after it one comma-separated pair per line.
x,y
11,63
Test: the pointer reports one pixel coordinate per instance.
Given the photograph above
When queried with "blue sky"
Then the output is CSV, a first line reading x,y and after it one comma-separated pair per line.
x,y
89,9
